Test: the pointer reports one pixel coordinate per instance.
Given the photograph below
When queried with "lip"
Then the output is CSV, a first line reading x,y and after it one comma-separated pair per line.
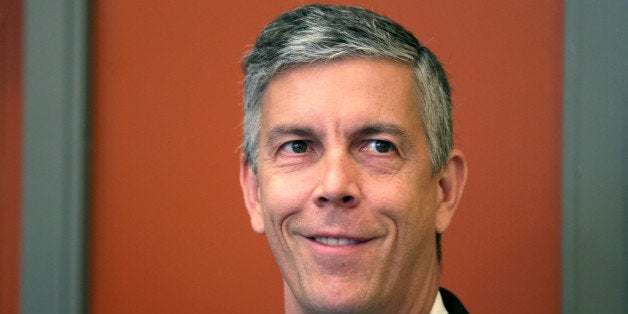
x,y
332,241
337,240
355,256
337,245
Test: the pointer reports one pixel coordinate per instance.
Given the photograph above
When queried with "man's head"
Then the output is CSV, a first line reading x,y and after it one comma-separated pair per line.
x,y
348,165
320,34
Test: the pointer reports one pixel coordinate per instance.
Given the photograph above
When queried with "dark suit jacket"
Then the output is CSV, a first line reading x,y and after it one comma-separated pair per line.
x,y
452,304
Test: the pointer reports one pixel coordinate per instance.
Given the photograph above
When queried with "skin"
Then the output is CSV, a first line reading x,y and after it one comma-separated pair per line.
x,y
343,154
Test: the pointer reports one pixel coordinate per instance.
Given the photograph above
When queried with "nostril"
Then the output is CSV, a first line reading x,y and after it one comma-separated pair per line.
x,y
346,200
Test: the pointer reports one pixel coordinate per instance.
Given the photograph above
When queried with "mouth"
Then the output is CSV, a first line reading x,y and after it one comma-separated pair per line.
x,y
333,241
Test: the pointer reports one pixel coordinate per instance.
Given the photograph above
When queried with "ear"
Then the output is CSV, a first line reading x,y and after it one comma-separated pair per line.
x,y
450,186
250,189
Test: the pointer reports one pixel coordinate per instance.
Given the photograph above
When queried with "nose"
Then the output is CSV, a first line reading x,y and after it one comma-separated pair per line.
x,y
339,182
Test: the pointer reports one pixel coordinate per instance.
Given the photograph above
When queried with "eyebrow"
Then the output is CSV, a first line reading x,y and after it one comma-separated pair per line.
x,y
369,130
385,128
287,130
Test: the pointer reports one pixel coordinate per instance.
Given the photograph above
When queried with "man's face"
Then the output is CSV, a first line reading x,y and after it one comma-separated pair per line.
x,y
344,190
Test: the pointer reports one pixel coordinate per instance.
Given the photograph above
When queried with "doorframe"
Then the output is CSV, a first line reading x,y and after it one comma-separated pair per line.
x,y
594,189
55,152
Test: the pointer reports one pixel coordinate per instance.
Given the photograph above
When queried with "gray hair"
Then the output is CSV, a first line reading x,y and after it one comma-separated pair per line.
x,y
321,33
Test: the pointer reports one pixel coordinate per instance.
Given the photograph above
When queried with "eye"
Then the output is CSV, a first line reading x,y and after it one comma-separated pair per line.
x,y
380,146
296,147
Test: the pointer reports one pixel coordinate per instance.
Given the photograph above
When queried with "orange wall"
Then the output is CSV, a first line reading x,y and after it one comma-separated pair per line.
x,y
10,150
169,232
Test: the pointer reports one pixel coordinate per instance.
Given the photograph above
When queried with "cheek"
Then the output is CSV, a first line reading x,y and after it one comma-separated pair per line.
x,y
412,206
282,195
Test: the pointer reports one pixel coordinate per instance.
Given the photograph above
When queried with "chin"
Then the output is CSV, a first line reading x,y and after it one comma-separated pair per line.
x,y
338,301
336,306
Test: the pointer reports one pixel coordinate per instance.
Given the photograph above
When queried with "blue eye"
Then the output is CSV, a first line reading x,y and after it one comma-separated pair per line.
x,y
383,146
296,147
380,146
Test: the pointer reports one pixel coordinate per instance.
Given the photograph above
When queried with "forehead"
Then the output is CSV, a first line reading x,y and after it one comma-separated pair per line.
x,y
345,90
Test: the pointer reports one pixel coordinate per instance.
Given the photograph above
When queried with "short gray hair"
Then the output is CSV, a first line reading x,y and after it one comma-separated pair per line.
x,y
322,33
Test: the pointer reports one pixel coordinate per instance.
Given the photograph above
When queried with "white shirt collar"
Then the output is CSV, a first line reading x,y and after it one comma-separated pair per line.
x,y
439,306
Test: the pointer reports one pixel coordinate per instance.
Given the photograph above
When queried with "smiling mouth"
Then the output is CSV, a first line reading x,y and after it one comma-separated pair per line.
x,y
335,241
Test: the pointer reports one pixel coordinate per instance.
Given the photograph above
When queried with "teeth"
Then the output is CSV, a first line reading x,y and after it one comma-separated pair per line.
x,y
335,241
